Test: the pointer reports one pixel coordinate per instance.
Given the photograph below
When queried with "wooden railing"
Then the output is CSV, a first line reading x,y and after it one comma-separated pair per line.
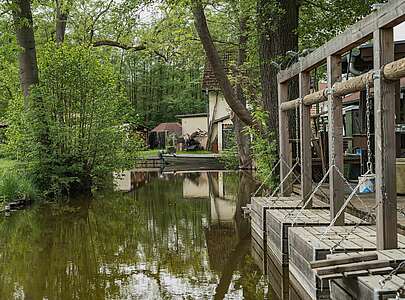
x,y
384,78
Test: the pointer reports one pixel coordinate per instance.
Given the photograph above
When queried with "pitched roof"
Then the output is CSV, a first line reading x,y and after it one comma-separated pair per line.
x,y
169,127
209,81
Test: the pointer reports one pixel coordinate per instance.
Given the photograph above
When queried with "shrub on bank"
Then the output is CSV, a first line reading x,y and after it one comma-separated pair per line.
x,y
70,132
16,186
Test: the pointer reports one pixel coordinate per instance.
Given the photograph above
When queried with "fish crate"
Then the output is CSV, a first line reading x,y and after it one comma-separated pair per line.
x,y
259,206
369,286
279,220
308,245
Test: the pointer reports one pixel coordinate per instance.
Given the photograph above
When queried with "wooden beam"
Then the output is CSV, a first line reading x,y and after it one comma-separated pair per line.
x,y
335,135
284,136
344,260
305,136
385,151
391,71
391,14
357,266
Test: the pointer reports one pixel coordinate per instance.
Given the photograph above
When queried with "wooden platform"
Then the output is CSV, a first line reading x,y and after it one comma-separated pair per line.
x,y
306,246
260,205
279,220
368,286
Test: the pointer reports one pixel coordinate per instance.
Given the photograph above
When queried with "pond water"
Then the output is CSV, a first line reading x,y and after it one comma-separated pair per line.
x,y
178,236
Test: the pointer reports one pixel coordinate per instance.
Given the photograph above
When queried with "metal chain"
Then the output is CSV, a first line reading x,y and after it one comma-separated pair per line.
x,y
390,275
368,117
354,228
297,134
330,125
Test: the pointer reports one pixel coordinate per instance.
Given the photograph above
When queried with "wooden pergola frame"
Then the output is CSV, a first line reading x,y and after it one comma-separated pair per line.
x,y
385,79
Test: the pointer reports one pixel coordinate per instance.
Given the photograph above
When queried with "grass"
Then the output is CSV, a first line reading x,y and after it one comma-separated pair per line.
x,y
8,164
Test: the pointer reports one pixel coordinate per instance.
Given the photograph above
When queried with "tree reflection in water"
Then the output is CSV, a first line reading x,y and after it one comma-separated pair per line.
x,y
156,242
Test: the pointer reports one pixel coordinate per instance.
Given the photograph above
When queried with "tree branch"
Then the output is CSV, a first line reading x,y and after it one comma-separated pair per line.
x,y
118,45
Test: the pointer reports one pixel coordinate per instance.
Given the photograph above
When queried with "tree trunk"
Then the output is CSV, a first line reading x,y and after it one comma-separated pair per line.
x,y
22,18
242,137
277,35
61,20
217,66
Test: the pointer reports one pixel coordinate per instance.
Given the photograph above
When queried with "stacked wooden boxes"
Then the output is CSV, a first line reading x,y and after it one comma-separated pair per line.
x,y
278,221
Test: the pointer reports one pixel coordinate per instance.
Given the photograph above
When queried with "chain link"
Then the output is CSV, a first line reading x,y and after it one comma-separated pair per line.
x,y
368,123
297,134
331,123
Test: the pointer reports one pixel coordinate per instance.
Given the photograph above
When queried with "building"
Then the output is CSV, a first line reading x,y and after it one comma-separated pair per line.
x,y
220,126
195,126
164,135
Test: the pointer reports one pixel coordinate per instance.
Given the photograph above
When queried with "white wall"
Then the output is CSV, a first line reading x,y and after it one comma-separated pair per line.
x,y
222,109
193,124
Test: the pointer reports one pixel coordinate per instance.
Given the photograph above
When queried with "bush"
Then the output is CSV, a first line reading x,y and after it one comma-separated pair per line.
x,y
72,132
264,150
16,186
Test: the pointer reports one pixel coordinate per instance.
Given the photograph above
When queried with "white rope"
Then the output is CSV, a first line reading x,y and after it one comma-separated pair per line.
x,y
344,205
310,197
268,177
284,179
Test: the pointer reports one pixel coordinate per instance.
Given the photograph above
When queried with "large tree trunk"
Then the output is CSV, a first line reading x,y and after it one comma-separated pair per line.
x,y
22,17
277,35
217,66
242,137
61,20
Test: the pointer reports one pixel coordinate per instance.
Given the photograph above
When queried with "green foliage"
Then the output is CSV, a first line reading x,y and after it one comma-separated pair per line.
x,y
15,186
321,20
158,91
264,148
72,134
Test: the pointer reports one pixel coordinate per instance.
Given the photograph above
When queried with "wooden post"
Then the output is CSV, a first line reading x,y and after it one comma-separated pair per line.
x,y
305,136
335,135
284,136
385,151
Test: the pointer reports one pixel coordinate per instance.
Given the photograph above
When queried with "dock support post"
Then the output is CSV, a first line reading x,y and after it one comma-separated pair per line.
x,y
335,136
385,151
305,138
284,136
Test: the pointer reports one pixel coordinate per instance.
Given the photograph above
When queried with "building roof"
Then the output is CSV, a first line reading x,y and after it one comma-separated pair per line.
x,y
168,127
192,115
209,80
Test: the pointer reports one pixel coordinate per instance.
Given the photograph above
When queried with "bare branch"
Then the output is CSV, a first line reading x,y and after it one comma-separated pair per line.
x,y
118,45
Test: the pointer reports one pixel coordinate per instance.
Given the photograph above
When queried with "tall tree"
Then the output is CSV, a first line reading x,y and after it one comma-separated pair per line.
x,y
217,66
22,17
277,23
242,136
61,20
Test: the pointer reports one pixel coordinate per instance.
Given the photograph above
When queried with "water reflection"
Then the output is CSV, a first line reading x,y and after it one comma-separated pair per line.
x,y
168,238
